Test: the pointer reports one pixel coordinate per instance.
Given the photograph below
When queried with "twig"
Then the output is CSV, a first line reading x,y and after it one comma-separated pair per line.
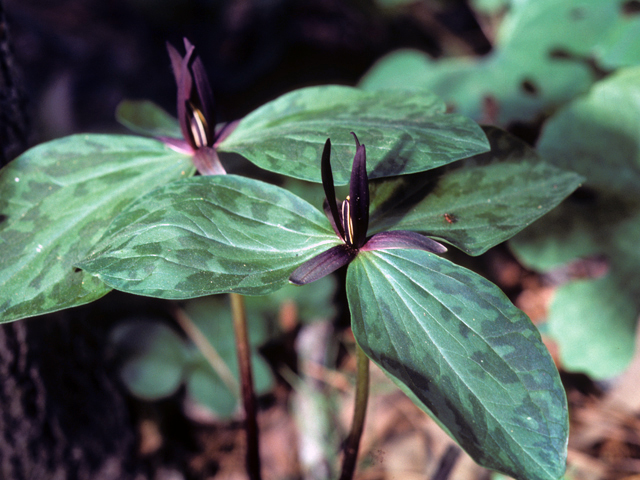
x,y
447,462
207,350
246,379
362,396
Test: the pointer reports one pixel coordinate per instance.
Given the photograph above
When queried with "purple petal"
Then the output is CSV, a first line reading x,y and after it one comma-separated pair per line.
x,y
176,62
206,161
204,98
184,94
177,144
329,189
403,239
359,196
327,212
323,264
224,131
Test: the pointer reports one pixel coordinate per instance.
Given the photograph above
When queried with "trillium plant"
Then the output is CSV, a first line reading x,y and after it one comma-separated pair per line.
x,y
85,214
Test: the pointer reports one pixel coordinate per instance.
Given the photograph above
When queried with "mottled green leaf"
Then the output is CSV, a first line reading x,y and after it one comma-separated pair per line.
x,y
153,358
473,360
500,88
594,324
404,132
56,201
621,47
475,203
400,69
598,135
147,118
539,61
208,235
579,227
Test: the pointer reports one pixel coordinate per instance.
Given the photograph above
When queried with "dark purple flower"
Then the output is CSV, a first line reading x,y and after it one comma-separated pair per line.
x,y
350,221
196,112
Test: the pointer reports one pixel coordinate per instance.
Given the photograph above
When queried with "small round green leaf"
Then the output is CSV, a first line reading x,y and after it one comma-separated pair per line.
x,y
153,358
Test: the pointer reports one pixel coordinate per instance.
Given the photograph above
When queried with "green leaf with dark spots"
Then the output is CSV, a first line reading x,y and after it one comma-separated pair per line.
x,y
473,360
597,136
206,235
542,57
405,132
475,203
147,118
56,201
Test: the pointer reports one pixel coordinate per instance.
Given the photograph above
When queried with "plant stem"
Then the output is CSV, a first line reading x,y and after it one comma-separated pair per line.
x,y
360,410
246,381
207,350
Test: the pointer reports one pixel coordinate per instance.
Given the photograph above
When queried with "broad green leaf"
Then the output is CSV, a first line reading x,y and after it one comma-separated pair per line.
x,y
574,26
476,203
400,69
500,88
208,235
147,118
405,132
539,61
621,48
580,227
594,324
56,201
206,388
598,135
473,360
153,358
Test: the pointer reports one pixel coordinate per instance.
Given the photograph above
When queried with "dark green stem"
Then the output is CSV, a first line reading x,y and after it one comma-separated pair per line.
x,y
362,397
246,382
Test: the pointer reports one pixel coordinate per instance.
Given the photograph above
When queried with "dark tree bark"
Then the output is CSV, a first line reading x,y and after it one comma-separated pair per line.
x,y
13,116
63,415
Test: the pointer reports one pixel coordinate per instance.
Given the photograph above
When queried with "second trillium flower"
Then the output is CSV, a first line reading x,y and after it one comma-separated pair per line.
x,y
350,221
196,112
